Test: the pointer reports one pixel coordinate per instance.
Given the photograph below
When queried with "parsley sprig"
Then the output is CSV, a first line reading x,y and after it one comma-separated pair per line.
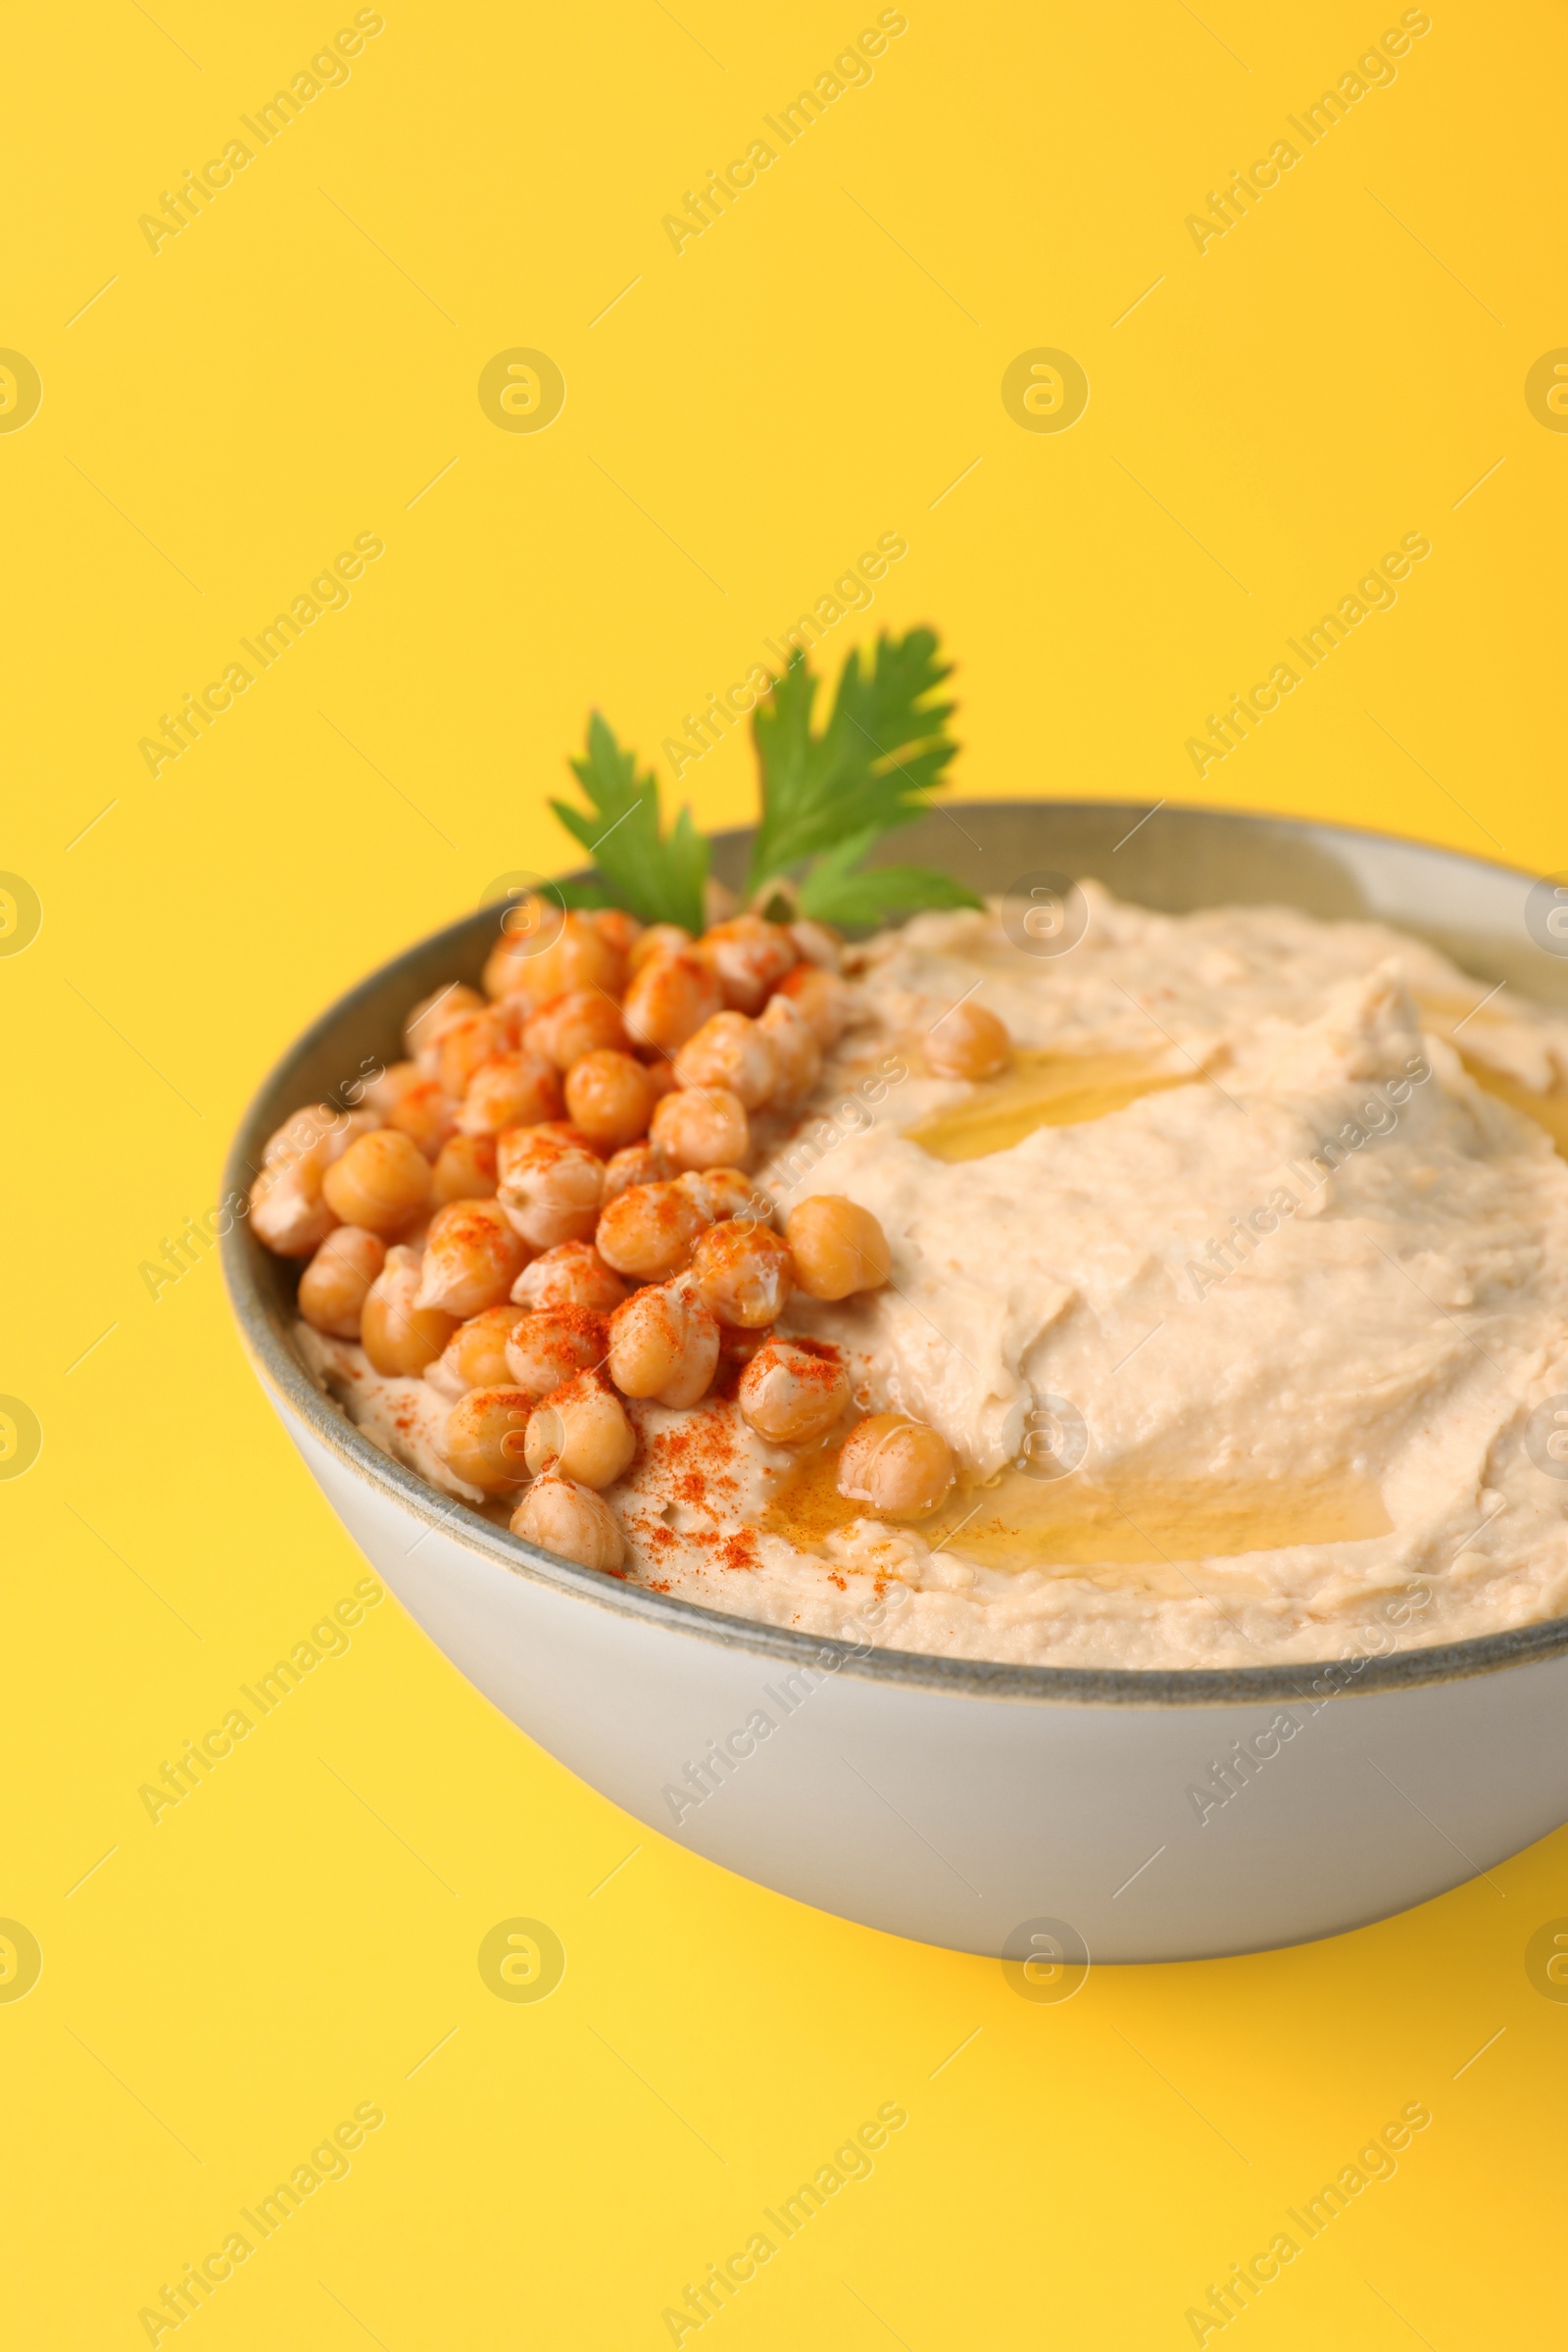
x,y
827,798
655,875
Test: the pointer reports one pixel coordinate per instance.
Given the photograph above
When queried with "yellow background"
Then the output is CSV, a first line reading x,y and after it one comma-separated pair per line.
x,y
218,421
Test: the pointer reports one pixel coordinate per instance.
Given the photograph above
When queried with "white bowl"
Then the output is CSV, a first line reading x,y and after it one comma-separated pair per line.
x,y
1039,1813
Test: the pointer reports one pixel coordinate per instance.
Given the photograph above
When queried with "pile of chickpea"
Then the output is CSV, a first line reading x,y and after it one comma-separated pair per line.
x,y
543,1210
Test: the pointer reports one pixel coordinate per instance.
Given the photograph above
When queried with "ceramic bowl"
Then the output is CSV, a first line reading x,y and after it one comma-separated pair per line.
x,y
1041,1814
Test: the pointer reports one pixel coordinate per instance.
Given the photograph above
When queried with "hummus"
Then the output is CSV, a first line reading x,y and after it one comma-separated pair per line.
x,y
1241,1299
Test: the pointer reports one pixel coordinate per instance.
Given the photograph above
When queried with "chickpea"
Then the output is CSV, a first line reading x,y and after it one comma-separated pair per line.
x,y
622,930
660,939
743,1272
441,1006
639,1164
549,1183
299,1137
382,1181
475,1355
383,1093
701,1127
583,1021
347,1127
731,1052
750,957
725,1193
320,1133
967,1043
459,1046
669,999
528,925
464,1170
471,1258
611,1098
796,1056
509,1089
425,1114
824,1000
572,1274
581,1432
837,1245
647,1232
335,1286
288,1211
791,1396
485,1438
548,1347
902,1468
818,943
664,1343
398,1337
581,955
505,972
571,1521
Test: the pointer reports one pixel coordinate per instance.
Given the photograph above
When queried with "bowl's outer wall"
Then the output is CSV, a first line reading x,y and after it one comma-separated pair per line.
x,y
957,1815
957,1819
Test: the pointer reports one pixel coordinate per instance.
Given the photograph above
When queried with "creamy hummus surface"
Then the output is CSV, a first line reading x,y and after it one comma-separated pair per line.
x,y
1241,1299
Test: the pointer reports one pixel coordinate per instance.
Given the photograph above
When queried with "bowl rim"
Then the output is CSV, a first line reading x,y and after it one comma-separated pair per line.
x,y
505,1554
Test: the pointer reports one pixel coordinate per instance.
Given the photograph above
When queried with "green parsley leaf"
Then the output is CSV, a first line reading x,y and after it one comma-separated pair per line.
x,y
656,876
833,894
885,743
